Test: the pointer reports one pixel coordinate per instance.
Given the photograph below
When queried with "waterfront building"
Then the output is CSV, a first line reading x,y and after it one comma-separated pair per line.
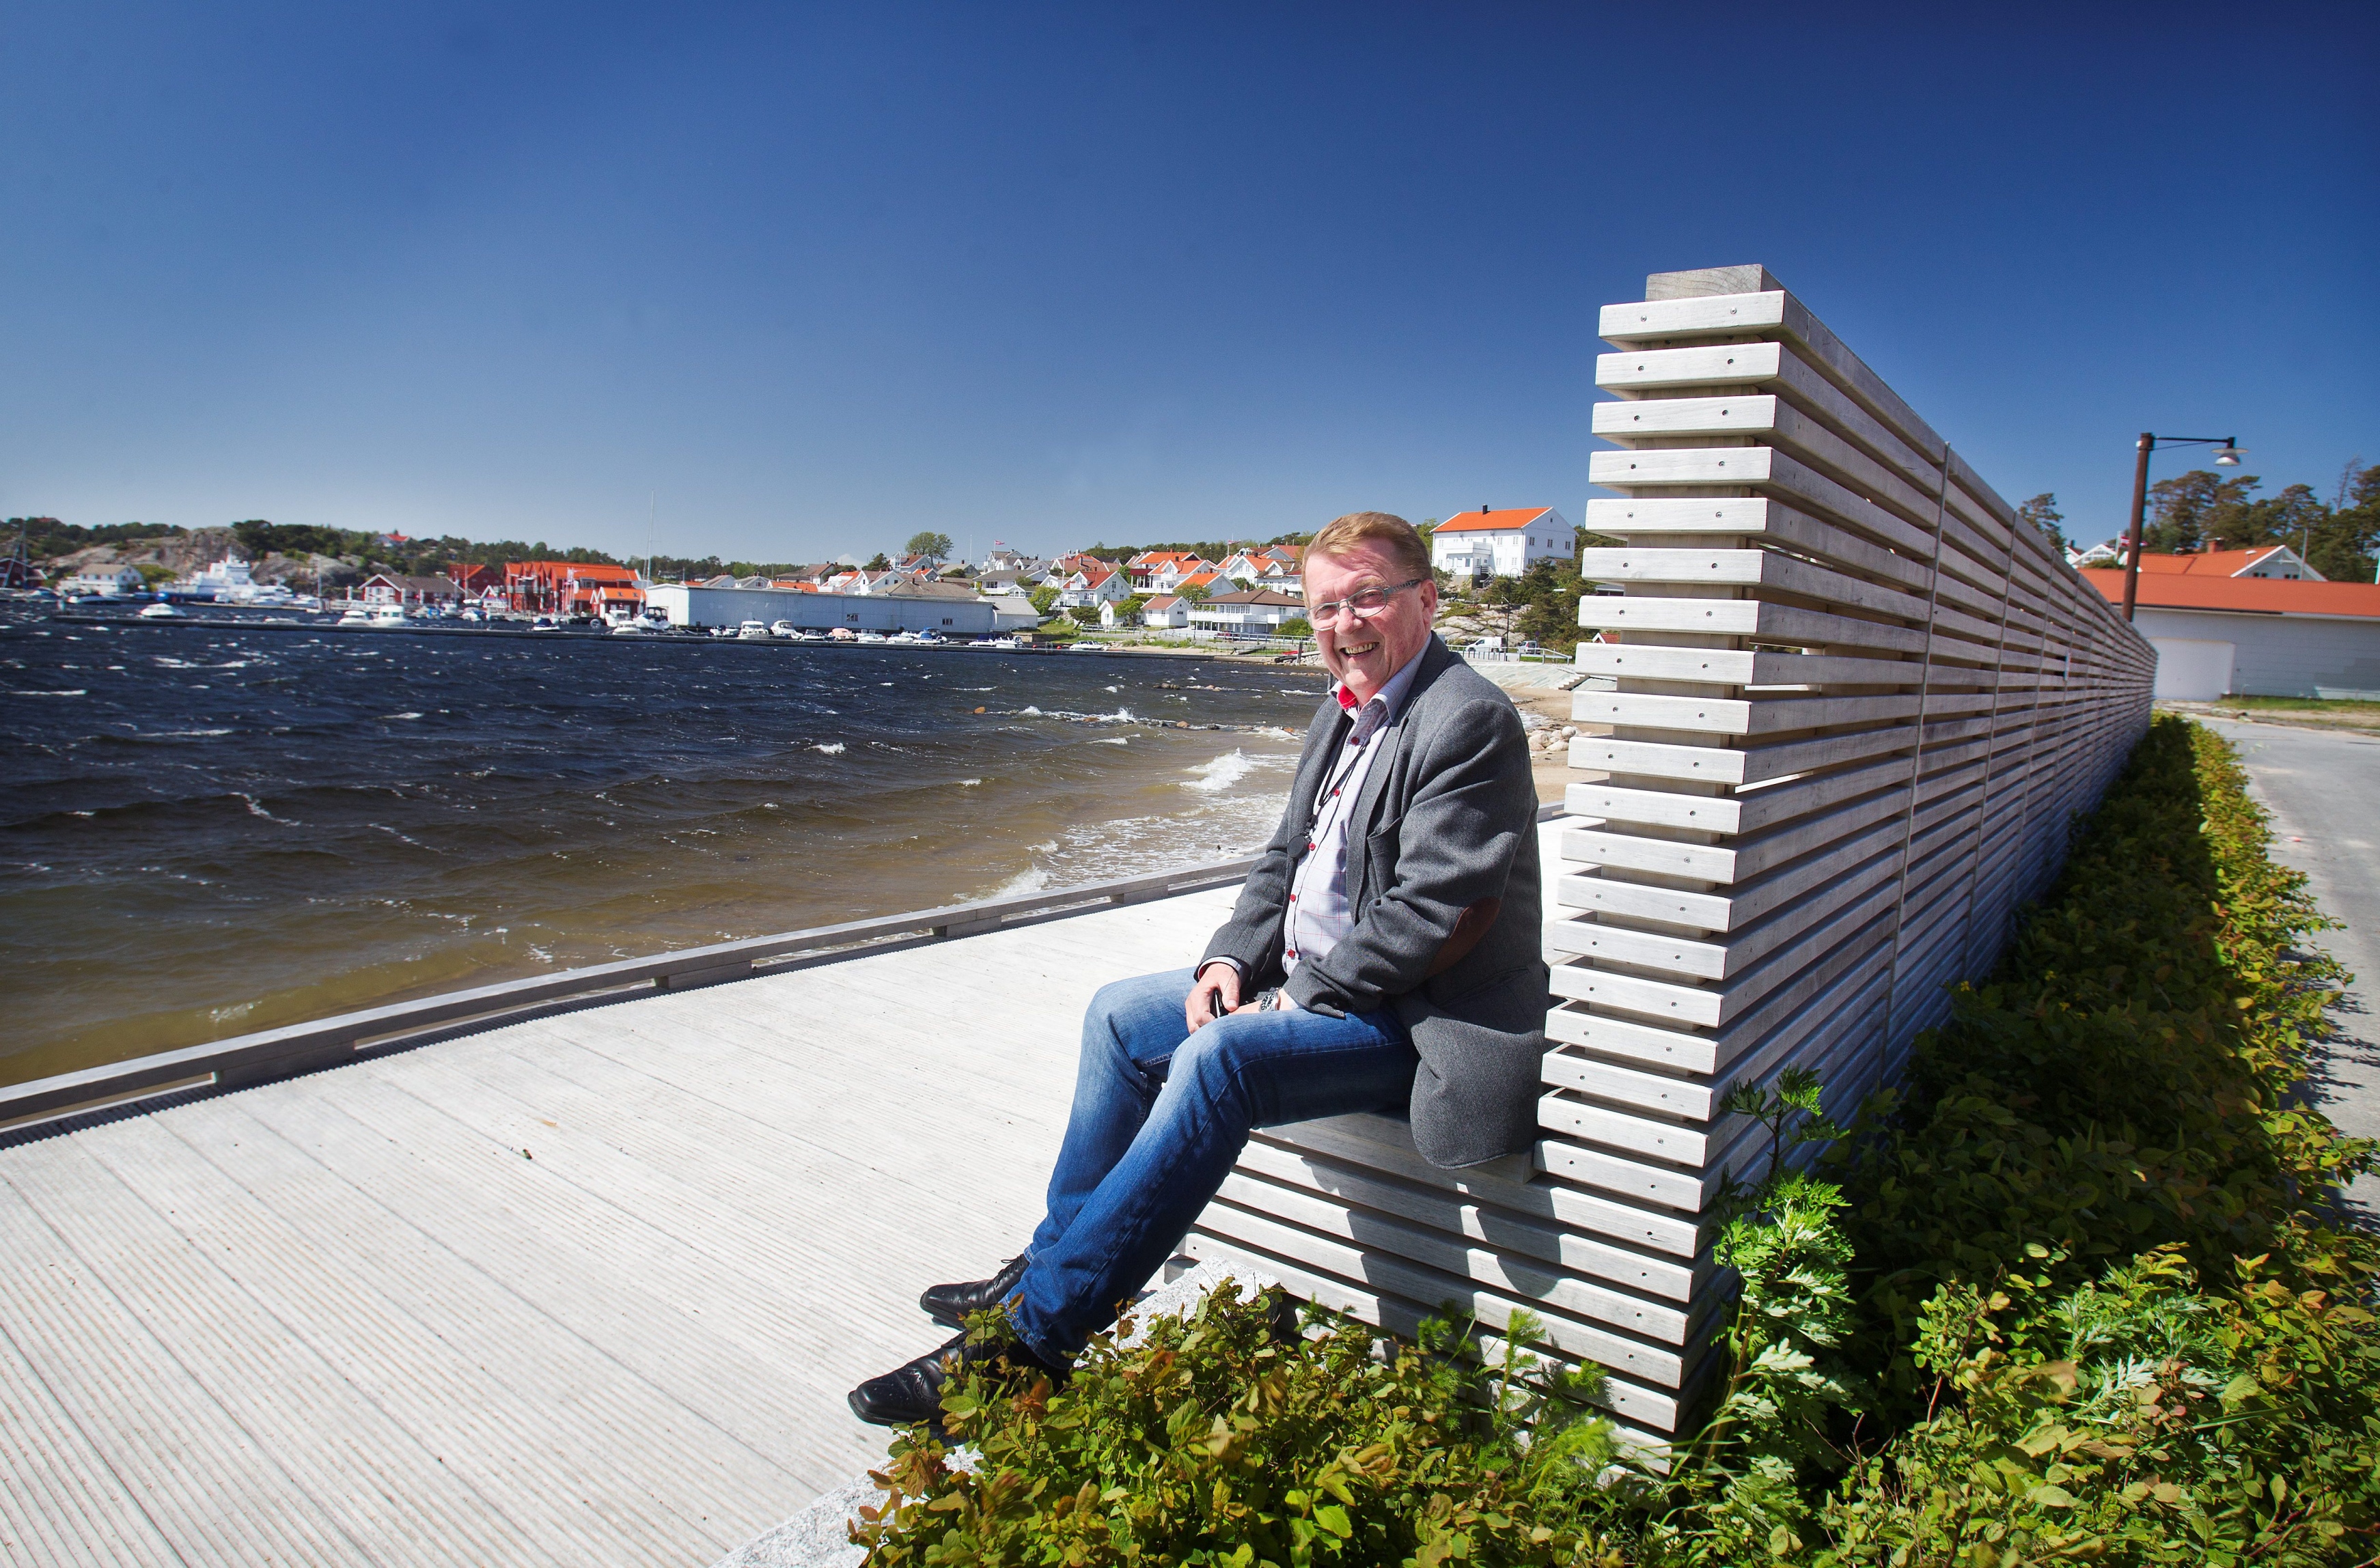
x,y
944,609
413,593
1506,543
572,588
1251,612
1168,611
1012,612
107,582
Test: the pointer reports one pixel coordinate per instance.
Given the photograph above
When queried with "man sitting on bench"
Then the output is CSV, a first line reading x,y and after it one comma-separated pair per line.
x,y
1385,955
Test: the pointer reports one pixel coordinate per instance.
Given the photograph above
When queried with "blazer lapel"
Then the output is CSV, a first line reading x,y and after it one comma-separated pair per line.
x,y
1390,768
1321,747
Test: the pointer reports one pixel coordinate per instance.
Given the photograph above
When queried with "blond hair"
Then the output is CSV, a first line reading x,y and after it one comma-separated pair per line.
x,y
1386,529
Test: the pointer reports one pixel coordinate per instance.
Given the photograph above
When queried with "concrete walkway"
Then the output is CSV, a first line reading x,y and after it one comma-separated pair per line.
x,y
2323,788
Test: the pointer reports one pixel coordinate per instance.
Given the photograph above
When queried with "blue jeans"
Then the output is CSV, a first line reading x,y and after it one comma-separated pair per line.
x,y
1159,1115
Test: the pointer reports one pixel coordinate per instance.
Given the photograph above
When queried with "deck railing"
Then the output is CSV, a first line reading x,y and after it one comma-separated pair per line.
x,y
1855,703
32,1108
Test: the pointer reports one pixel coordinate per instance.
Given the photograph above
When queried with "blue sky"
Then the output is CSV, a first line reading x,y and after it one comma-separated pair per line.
x,y
822,277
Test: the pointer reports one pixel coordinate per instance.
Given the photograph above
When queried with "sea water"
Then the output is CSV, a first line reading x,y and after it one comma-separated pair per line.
x,y
207,831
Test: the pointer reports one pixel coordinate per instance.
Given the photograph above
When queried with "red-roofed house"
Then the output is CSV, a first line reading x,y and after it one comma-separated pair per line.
x,y
2225,634
1096,583
1161,570
2264,560
1501,544
572,588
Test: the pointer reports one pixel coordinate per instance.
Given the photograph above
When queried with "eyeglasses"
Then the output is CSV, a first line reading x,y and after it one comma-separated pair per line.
x,y
1363,603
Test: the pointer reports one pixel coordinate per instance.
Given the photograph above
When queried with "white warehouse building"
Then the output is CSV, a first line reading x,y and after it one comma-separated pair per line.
x,y
692,605
2219,636
1501,544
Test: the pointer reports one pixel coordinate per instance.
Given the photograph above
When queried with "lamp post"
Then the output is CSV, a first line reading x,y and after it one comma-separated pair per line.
x,y
2227,457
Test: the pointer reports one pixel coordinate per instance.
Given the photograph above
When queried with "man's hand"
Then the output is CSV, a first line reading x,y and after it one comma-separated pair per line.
x,y
1213,994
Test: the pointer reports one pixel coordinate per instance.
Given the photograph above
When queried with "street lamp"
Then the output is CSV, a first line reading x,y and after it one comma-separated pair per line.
x,y
2227,455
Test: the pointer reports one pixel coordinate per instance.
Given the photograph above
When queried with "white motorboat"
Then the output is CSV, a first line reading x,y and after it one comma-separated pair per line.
x,y
355,615
785,629
872,638
910,637
753,632
999,642
159,613
388,615
629,629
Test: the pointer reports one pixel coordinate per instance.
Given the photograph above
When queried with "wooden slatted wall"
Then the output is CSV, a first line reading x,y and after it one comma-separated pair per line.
x,y
1852,703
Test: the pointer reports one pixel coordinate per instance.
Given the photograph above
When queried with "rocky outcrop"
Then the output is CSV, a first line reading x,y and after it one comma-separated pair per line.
x,y
184,554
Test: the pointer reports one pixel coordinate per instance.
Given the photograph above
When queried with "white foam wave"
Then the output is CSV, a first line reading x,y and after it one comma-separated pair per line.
x,y
1032,879
1219,774
969,783
831,748
1027,711
1113,740
21,692
400,716
256,808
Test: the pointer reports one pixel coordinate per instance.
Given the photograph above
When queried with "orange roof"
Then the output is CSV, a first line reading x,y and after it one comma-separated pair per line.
x,y
2205,563
1199,581
2268,596
1510,519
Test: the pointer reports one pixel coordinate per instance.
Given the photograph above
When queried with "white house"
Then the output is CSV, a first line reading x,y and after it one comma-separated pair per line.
x,y
1279,569
1170,611
1251,612
102,581
1094,584
1163,571
2269,562
1501,544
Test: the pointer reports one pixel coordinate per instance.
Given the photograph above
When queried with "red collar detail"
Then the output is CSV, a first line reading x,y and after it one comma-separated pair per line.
x,y
1347,698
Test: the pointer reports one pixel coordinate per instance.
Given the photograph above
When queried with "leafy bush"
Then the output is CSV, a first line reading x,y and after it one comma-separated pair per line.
x,y
1223,1439
2083,1295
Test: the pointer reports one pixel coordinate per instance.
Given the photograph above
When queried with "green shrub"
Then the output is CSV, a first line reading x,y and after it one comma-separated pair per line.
x,y
2100,1259
1222,1440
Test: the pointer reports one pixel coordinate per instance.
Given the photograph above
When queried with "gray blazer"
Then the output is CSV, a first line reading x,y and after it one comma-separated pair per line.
x,y
1442,883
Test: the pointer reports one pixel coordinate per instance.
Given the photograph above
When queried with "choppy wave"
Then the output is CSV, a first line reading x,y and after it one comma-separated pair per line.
x,y
275,838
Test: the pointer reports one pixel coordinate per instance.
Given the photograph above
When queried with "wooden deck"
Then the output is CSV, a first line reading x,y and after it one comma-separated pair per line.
x,y
587,1289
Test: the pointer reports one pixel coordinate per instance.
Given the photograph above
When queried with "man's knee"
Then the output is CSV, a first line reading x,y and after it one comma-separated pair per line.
x,y
1211,1064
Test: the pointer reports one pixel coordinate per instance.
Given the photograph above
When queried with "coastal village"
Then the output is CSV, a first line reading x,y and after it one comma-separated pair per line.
x,y
2259,621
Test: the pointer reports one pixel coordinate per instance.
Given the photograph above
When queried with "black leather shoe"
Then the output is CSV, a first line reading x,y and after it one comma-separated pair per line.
x,y
914,1393
950,1304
